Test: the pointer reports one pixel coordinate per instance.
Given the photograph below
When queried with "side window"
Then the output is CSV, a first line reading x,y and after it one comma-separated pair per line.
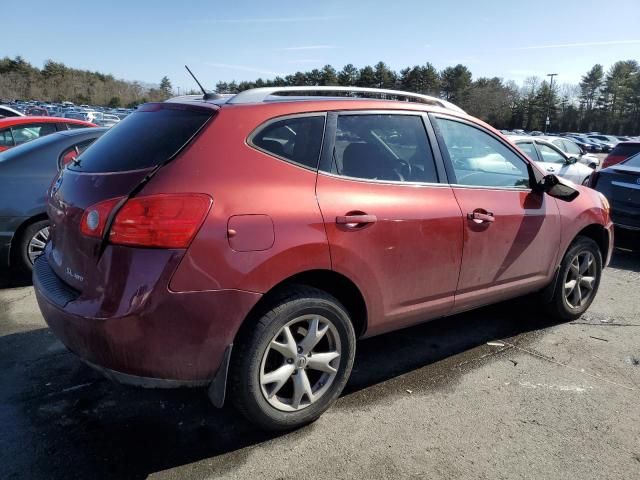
x,y
478,159
26,133
73,152
529,149
297,139
550,154
571,148
383,147
6,139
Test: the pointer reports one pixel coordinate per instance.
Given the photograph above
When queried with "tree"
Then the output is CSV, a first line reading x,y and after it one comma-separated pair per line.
x,y
348,76
165,87
455,83
329,76
383,76
366,77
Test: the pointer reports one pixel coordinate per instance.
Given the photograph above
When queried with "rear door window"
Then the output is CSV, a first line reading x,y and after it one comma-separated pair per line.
x,y
295,139
550,154
146,138
571,148
28,132
392,147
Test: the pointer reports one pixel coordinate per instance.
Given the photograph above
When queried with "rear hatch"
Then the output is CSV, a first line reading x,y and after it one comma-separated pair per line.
x,y
623,185
114,167
620,152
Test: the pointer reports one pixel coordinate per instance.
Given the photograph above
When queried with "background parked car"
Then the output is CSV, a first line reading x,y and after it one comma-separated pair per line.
x,y
573,150
6,111
621,152
18,130
606,144
552,159
27,172
620,183
585,143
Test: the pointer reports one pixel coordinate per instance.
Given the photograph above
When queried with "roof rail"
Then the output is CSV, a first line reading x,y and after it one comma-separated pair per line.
x,y
259,95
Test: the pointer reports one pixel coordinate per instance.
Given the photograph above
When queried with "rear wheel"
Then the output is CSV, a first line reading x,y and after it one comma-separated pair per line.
x,y
31,245
291,365
578,279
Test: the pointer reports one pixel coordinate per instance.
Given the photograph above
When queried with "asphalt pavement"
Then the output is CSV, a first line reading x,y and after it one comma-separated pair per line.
x,y
501,392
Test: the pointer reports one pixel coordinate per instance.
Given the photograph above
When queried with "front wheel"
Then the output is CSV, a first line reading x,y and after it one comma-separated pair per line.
x,y
578,279
291,366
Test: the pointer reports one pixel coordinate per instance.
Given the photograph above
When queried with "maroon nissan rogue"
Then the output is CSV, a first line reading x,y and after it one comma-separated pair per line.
x,y
245,242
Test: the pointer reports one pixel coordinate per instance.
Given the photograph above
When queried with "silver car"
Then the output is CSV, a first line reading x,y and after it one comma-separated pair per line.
x,y
573,150
552,159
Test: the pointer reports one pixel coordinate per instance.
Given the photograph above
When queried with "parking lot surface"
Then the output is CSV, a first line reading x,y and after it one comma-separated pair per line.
x,y
500,392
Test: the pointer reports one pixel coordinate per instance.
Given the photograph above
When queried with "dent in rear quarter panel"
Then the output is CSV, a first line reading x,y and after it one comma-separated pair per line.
x,y
244,181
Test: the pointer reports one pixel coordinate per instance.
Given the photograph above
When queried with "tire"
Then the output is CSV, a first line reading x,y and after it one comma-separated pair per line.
x,y
38,233
570,303
271,405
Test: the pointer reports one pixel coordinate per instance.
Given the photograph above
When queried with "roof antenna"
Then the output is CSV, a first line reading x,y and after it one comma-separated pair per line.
x,y
205,95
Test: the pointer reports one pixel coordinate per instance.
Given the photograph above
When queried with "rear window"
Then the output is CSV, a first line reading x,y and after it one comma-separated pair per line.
x,y
143,140
633,161
626,149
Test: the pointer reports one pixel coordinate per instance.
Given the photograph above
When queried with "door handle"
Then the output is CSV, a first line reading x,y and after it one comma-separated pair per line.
x,y
352,221
551,169
481,217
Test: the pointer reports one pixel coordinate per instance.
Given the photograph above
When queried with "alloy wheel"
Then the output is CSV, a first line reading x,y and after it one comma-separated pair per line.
x,y
300,363
580,279
36,245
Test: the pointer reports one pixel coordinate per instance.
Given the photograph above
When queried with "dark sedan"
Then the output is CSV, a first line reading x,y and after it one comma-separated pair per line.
x,y
26,172
621,185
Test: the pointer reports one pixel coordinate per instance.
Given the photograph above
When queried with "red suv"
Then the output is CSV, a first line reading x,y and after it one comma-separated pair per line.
x,y
245,242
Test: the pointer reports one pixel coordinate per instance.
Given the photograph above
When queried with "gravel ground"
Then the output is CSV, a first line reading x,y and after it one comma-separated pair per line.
x,y
436,401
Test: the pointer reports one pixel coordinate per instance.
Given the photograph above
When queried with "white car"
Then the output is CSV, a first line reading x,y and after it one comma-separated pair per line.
x,y
552,159
572,150
6,111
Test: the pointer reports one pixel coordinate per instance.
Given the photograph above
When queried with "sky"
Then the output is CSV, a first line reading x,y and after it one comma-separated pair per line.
x,y
242,40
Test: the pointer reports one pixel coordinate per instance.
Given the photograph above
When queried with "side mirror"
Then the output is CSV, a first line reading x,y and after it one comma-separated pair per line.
x,y
571,160
558,188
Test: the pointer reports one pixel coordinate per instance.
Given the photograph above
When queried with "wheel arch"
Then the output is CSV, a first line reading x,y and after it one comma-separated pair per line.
x,y
598,234
17,235
334,283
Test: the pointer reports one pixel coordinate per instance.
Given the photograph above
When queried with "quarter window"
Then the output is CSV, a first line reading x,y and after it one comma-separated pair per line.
x,y
297,139
383,147
529,149
478,159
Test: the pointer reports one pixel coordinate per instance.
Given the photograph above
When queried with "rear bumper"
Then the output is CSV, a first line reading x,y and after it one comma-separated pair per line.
x,y
163,339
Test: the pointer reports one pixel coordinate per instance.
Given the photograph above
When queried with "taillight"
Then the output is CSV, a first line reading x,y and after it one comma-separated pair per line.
x,y
94,218
164,220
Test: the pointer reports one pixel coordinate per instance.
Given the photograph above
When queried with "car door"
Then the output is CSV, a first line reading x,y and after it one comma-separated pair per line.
x,y
511,232
556,162
392,226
